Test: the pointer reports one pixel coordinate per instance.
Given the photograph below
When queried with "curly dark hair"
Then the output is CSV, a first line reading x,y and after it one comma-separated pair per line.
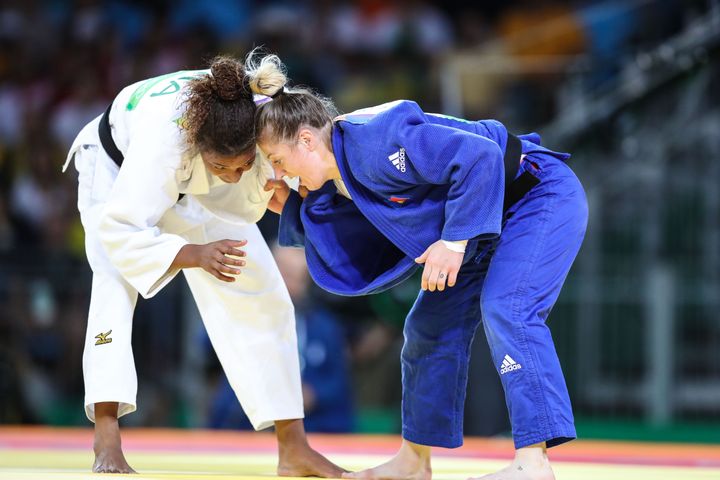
x,y
220,109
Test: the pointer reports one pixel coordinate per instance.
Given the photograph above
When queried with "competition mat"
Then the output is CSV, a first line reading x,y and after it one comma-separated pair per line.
x,y
35,453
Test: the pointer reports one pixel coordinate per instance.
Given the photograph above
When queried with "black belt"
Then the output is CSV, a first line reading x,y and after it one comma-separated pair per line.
x,y
515,188
106,139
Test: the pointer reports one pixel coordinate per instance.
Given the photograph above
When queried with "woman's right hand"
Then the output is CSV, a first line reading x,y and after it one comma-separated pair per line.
x,y
216,258
281,192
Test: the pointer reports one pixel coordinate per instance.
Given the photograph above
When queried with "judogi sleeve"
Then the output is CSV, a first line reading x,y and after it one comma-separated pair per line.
x,y
470,164
143,191
291,232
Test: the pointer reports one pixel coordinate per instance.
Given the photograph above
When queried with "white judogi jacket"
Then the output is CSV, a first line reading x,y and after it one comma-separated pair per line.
x,y
142,216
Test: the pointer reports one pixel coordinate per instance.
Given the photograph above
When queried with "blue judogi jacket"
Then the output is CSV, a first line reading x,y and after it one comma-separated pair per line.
x,y
414,178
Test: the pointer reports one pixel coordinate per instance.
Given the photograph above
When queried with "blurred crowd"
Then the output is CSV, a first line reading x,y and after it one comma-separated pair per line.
x,y
62,62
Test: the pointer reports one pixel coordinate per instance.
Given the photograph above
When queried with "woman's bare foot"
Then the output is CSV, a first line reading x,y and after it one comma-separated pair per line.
x,y
530,463
296,458
411,462
109,457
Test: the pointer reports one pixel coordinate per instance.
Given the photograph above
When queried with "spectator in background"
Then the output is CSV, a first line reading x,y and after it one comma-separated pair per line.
x,y
542,38
6,230
38,195
608,28
82,105
327,395
227,19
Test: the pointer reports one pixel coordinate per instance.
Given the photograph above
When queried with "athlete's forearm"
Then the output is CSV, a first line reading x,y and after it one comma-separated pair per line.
x,y
187,257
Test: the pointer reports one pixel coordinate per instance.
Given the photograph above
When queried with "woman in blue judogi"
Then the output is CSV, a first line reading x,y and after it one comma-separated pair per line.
x,y
497,221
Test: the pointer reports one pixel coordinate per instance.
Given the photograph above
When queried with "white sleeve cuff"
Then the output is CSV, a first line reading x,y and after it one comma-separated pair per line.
x,y
456,246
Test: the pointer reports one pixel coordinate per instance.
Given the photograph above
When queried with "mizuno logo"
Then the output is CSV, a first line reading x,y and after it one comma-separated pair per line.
x,y
509,365
103,338
398,159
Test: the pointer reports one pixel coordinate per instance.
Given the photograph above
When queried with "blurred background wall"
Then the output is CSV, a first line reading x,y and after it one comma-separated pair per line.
x,y
631,88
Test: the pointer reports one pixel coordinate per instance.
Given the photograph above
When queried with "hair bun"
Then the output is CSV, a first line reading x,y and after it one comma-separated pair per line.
x,y
228,78
265,74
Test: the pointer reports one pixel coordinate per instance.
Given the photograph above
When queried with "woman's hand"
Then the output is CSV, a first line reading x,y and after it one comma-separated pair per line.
x,y
216,258
280,195
441,266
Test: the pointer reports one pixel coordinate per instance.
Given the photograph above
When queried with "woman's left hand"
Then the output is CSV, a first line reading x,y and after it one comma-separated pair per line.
x,y
441,266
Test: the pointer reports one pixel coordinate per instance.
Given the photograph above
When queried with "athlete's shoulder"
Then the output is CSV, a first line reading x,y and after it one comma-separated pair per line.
x,y
379,112
158,91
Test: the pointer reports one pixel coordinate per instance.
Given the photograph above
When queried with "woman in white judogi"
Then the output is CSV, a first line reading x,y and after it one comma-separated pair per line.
x,y
168,181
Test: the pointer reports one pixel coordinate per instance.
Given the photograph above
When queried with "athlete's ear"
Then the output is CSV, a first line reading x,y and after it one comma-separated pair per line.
x,y
306,137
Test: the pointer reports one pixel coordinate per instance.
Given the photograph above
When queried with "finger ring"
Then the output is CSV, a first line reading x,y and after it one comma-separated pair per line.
x,y
441,276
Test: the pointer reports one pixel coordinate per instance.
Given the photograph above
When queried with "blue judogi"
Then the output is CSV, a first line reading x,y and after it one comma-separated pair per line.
x,y
415,178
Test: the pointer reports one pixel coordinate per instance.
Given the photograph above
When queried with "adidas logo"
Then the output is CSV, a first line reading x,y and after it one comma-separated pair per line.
x,y
398,159
508,365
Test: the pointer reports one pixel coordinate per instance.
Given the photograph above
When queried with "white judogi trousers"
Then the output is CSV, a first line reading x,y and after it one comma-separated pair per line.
x,y
250,321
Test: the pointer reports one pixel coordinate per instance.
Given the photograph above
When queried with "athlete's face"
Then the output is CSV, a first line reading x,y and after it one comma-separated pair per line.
x,y
229,168
300,159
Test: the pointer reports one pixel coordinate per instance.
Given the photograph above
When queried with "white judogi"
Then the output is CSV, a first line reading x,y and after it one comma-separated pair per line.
x,y
134,228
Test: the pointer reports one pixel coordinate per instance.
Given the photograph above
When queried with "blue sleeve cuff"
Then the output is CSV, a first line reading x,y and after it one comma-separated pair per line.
x,y
291,232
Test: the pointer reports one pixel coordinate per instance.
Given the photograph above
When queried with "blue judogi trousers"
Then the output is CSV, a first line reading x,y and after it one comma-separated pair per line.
x,y
509,285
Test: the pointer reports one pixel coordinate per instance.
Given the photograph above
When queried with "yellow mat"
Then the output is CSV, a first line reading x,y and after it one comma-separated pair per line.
x,y
67,465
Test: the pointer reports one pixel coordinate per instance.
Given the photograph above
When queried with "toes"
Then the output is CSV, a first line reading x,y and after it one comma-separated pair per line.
x,y
112,469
